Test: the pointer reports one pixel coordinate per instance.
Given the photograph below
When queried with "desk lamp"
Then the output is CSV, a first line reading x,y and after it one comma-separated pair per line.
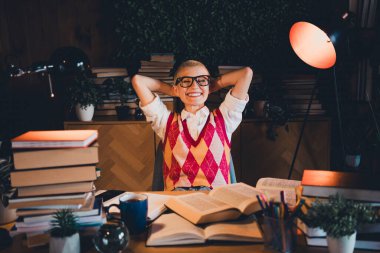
x,y
317,49
63,61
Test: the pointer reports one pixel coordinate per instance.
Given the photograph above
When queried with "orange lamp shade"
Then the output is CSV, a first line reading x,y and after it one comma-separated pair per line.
x,y
312,45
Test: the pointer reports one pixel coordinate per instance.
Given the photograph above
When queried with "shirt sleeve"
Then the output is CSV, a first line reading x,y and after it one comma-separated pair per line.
x,y
232,110
157,113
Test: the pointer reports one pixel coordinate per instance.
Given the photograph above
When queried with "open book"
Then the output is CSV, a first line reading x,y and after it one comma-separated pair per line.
x,y
273,186
223,203
228,202
172,229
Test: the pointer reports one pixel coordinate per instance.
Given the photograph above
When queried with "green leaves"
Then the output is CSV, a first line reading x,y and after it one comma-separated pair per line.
x,y
213,31
338,217
83,91
121,88
64,223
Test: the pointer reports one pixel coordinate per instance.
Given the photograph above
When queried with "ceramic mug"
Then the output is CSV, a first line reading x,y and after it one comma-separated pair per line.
x,y
133,211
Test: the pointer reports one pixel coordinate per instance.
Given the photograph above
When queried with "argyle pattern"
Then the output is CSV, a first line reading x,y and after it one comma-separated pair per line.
x,y
201,162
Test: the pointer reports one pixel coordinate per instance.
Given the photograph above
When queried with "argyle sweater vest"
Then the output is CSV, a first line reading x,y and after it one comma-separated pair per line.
x,y
202,162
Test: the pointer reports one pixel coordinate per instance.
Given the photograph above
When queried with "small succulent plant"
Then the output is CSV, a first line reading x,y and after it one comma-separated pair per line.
x,y
64,224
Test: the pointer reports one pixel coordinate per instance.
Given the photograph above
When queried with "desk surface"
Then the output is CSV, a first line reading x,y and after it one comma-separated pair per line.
x,y
137,245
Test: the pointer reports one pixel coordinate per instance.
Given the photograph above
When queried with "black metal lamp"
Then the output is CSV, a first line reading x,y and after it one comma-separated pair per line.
x,y
317,48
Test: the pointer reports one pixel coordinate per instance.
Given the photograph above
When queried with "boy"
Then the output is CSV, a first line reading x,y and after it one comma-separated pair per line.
x,y
196,142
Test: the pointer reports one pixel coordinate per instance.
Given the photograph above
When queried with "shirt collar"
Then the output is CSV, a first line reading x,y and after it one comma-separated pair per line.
x,y
202,113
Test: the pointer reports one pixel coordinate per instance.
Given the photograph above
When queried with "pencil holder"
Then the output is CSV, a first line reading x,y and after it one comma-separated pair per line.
x,y
279,234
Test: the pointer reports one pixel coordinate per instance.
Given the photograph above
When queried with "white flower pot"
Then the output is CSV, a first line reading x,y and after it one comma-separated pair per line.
x,y
65,244
7,215
85,114
344,244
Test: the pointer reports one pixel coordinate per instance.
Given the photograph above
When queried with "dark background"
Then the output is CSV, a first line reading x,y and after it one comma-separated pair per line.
x,y
120,33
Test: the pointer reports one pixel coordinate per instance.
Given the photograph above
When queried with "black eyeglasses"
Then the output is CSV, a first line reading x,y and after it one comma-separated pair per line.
x,y
187,81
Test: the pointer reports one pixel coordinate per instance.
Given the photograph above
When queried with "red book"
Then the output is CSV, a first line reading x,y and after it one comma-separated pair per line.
x,y
55,139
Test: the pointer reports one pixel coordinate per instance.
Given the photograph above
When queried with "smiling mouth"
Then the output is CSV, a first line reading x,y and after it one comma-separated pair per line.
x,y
194,94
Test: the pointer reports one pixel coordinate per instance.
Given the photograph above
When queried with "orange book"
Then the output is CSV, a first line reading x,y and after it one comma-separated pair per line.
x,y
55,139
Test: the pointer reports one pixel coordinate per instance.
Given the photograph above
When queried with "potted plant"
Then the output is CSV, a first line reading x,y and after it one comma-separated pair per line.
x,y
64,236
340,219
6,191
122,89
83,95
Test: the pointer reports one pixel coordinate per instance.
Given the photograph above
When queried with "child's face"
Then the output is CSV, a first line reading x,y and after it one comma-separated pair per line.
x,y
195,96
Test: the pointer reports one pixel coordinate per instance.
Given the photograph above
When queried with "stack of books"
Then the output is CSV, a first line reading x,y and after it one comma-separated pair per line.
x,y
104,78
54,170
105,72
160,67
354,186
298,90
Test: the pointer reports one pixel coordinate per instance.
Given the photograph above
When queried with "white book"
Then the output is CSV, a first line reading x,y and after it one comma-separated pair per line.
x,y
156,204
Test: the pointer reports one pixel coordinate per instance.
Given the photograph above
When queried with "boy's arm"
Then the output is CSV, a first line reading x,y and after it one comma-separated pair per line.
x,y
240,79
145,86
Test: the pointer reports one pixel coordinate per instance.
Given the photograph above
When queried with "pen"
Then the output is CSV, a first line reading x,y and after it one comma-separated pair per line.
x,y
261,203
265,199
296,210
286,209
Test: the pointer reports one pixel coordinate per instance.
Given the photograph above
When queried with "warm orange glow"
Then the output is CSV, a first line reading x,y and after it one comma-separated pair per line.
x,y
312,45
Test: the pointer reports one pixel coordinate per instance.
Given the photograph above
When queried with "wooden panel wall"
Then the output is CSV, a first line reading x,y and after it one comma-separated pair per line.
x,y
127,151
261,157
31,30
126,154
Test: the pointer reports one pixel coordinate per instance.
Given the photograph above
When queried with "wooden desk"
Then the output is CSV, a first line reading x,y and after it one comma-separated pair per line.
x,y
137,245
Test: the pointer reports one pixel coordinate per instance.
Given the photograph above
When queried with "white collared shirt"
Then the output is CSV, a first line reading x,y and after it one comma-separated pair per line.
x,y
231,108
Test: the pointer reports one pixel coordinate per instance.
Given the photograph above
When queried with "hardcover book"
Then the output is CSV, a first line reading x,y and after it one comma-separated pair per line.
x,y
54,189
53,176
55,139
72,199
171,229
223,203
44,158
355,186
230,201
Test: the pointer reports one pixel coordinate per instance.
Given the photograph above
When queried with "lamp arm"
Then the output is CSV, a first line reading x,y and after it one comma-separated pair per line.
x,y
373,114
339,118
302,130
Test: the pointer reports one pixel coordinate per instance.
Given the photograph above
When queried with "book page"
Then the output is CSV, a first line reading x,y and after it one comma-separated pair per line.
x,y
201,208
201,202
245,229
156,204
172,229
240,195
273,187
